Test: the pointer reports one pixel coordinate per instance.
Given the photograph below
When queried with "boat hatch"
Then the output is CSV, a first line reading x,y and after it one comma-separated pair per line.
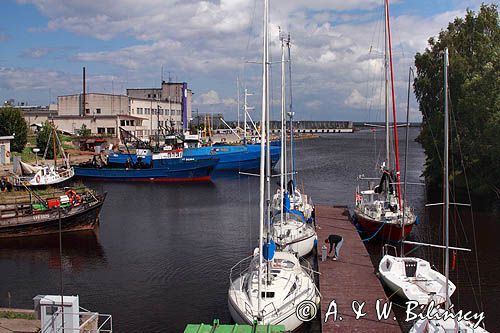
x,y
267,294
411,268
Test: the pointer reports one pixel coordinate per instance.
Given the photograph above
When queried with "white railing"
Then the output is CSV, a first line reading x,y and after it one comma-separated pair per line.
x,y
240,268
90,322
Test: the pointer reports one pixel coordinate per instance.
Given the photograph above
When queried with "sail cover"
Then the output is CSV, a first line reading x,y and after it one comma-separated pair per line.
x,y
27,169
269,249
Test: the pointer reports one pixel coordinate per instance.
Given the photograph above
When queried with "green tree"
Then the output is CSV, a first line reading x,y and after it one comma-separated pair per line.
x,y
43,138
474,83
84,131
13,123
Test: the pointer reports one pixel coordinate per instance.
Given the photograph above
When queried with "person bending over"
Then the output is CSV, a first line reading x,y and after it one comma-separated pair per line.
x,y
334,241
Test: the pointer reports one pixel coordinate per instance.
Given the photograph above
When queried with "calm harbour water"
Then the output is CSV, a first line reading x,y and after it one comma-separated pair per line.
x,y
162,254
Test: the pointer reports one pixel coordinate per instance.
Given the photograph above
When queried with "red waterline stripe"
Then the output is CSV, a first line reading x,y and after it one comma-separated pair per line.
x,y
155,180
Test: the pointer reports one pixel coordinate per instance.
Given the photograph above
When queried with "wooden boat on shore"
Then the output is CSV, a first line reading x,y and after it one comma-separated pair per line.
x,y
76,211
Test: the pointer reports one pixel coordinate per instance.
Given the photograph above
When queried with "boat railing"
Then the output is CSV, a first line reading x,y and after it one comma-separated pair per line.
x,y
89,322
240,268
19,181
307,267
68,173
387,248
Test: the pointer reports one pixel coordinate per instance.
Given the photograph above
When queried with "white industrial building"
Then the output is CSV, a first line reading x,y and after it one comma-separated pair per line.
x,y
141,111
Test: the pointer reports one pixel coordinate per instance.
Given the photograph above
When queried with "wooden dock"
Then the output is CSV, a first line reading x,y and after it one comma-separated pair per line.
x,y
350,278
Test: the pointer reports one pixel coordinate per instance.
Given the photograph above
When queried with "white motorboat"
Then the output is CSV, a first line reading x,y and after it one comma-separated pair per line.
x,y
414,279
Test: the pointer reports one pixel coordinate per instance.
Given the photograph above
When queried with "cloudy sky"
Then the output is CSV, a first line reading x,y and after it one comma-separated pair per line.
x,y
336,49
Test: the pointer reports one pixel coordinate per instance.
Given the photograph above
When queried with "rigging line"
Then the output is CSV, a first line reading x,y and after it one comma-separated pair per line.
x,y
368,101
249,37
471,210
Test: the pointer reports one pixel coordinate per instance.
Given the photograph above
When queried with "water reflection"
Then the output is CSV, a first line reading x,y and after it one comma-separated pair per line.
x,y
81,250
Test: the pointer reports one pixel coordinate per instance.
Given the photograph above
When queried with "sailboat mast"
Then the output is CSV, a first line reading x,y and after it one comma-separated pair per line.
x,y
245,107
283,120
446,177
386,90
410,71
238,98
396,148
262,153
54,143
268,151
292,157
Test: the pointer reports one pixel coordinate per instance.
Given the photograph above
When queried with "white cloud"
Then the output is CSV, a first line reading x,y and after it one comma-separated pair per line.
x,y
209,98
36,52
208,42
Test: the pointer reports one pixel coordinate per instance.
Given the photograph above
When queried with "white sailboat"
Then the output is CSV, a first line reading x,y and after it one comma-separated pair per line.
x,y
268,286
440,323
412,278
45,174
291,226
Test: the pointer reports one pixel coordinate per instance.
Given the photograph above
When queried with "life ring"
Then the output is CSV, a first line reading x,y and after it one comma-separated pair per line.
x,y
7,153
37,178
77,200
71,195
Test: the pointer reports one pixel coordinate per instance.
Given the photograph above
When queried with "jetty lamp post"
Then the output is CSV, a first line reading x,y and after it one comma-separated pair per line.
x,y
36,151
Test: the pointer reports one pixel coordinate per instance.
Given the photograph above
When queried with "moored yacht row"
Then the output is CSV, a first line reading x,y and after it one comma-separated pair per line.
x,y
268,286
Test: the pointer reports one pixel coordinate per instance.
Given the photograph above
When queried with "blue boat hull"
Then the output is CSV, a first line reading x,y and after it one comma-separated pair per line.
x,y
172,170
119,159
241,157
238,157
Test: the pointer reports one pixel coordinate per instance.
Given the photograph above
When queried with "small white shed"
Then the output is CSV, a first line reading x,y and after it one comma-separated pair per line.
x,y
5,153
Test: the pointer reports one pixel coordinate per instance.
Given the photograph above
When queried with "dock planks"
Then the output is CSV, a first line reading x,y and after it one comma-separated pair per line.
x,y
350,278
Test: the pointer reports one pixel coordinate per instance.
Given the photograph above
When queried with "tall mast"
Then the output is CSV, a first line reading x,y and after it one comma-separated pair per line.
x,y
446,184
268,150
396,148
410,71
245,106
283,120
292,156
238,98
54,143
386,88
263,133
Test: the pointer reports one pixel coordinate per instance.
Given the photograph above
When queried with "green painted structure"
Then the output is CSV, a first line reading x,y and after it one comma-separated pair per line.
x,y
216,327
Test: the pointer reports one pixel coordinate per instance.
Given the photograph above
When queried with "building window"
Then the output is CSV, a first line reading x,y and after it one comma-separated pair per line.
x,y
149,95
154,95
101,130
87,111
132,122
147,111
122,122
98,111
111,130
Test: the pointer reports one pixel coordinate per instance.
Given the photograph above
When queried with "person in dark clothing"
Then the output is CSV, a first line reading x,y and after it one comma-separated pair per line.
x,y
337,241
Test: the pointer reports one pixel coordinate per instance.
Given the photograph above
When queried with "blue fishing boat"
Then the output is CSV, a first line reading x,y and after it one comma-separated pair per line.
x,y
235,157
231,157
168,166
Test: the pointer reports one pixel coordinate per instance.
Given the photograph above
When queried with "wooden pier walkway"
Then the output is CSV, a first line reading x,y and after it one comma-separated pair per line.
x,y
350,278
